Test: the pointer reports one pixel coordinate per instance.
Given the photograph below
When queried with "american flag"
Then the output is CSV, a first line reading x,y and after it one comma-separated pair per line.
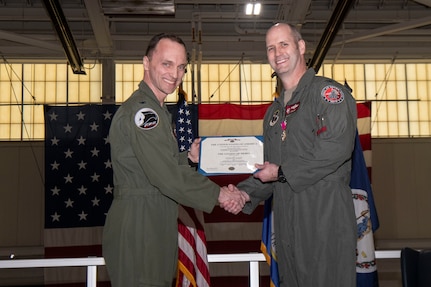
x,y
193,268
183,124
78,184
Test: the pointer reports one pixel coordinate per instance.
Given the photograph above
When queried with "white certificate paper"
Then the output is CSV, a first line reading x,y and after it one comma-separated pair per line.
x,y
230,155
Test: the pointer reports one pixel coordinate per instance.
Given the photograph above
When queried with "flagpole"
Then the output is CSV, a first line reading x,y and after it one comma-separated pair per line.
x,y
193,62
199,59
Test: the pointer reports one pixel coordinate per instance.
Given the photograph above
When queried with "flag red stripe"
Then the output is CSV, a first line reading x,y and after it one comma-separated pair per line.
x,y
364,109
185,260
365,141
232,111
202,263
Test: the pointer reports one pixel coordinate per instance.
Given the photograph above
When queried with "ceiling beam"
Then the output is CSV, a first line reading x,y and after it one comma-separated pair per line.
x,y
100,27
26,40
424,2
389,29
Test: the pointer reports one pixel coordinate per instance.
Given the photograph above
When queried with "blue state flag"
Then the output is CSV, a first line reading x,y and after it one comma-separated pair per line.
x,y
268,242
366,218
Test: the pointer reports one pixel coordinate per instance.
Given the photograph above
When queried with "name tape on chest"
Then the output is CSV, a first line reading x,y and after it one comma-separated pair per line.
x,y
146,119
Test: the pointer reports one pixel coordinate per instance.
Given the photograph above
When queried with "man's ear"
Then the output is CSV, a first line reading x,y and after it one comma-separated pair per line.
x,y
146,62
301,46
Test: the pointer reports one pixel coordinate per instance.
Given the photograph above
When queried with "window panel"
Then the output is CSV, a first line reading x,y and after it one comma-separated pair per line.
x,y
5,94
245,91
390,91
224,92
339,73
381,128
413,110
95,92
205,86
256,91
381,111
5,122
4,116
15,114
394,90
424,128
402,127
73,92
380,72
83,95
39,72
400,90
402,113
205,73
268,89
211,93
235,89
39,91
423,110
358,88
61,92
393,111
15,131
256,73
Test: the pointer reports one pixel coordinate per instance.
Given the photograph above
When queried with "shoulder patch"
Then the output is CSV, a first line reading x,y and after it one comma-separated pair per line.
x,y
332,94
146,119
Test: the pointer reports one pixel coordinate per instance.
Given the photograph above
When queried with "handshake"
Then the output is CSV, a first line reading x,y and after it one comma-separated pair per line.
x,y
232,199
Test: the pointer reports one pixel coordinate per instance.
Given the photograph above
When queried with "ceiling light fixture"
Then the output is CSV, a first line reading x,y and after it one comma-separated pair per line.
x,y
58,19
253,8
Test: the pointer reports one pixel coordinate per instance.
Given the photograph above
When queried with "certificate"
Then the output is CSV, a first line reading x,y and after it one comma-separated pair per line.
x,y
230,155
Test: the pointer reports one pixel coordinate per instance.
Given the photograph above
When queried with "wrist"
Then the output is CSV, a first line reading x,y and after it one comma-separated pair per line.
x,y
192,162
281,177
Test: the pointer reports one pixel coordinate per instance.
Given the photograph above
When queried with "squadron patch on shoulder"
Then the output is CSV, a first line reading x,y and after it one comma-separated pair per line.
x,y
146,119
332,94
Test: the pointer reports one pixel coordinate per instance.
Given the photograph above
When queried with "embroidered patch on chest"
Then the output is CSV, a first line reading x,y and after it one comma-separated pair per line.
x,y
275,117
332,94
146,119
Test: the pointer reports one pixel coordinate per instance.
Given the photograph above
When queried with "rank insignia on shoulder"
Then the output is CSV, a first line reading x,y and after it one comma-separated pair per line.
x,y
146,119
332,94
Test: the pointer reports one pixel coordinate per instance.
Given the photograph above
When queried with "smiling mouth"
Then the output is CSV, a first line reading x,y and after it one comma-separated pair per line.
x,y
171,82
281,61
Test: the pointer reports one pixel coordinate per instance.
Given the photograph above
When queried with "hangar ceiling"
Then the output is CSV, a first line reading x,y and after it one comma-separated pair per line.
x,y
377,30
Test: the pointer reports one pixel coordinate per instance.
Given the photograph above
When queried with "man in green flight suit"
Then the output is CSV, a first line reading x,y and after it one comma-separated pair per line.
x,y
309,135
151,177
